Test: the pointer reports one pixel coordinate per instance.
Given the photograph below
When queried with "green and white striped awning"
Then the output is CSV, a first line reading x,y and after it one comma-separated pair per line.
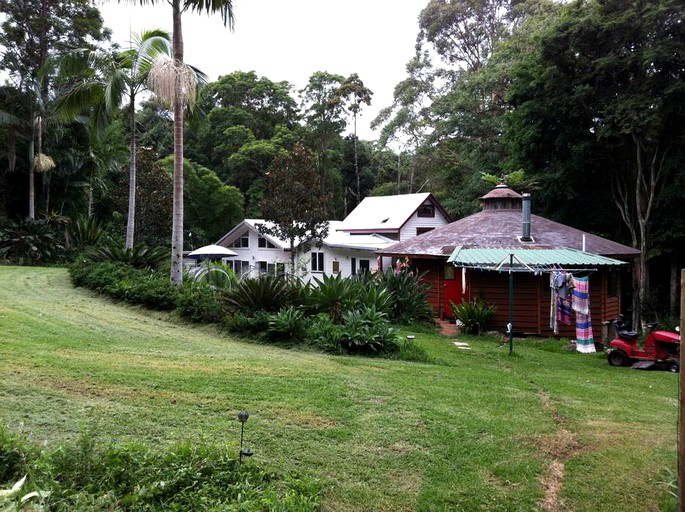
x,y
528,259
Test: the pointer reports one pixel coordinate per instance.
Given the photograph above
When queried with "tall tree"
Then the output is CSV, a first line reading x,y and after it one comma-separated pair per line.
x,y
33,33
211,207
179,78
113,81
601,98
354,93
324,111
249,120
296,213
408,122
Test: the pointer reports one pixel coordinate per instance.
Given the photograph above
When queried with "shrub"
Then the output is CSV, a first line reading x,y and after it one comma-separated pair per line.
x,y
332,295
139,256
367,331
84,232
287,323
199,302
265,293
120,281
377,297
475,315
31,242
149,288
409,296
323,333
15,454
243,323
86,475
101,277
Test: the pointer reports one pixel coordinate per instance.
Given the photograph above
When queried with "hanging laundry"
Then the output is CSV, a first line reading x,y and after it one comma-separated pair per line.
x,y
585,341
564,310
553,305
581,295
559,283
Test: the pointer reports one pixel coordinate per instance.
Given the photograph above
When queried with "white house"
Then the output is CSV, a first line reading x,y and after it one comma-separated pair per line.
x,y
397,217
350,246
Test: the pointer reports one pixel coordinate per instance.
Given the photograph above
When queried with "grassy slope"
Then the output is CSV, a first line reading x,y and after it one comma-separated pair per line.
x,y
473,430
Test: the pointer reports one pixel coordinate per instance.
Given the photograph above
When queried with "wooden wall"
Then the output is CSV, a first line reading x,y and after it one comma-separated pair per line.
x,y
532,298
435,279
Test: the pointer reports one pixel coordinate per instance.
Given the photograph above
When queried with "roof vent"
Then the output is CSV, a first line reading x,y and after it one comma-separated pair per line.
x,y
385,220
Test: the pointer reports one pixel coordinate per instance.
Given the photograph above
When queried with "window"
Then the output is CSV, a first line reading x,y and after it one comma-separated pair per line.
x,y
263,267
426,210
353,266
317,262
264,243
243,241
336,267
612,285
364,266
421,231
449,272
239,267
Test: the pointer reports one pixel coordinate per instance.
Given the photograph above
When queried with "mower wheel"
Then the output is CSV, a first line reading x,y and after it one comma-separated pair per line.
x,y
617,358
674,367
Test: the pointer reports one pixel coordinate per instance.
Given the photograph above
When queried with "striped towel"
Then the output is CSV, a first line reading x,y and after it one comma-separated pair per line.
x,y
581,295
585,341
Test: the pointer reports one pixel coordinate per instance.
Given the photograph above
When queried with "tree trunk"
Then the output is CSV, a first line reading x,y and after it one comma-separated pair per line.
x,y
131,221
356,161
90,199
177,226
673,295
32,194
636,210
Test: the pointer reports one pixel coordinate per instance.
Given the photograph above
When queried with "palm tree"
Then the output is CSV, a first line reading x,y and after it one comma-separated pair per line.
x,y
225,8
123,76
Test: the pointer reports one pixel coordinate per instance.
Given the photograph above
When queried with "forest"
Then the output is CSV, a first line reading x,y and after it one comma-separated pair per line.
x,y
581,103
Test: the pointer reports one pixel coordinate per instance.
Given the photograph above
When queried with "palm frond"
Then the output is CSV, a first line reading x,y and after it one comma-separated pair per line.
x,y
223,7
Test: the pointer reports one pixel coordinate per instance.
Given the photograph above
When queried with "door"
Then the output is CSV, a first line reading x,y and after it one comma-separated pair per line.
x,y
454,288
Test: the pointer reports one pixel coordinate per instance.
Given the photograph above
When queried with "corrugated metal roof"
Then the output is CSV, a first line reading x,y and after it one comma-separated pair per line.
x,y
533,257
383,213
500,229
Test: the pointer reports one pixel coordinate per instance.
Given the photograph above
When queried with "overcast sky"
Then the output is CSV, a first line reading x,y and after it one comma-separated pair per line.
x,y
290,40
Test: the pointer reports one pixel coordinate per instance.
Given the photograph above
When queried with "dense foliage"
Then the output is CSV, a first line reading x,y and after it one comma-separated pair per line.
x,y
583,98
89,474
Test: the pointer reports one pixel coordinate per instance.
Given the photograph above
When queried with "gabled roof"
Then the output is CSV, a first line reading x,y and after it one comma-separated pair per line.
x,y
335,238
501,229
252,224
378,214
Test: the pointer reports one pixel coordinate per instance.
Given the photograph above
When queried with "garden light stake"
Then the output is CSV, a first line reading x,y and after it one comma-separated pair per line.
x,y
242,418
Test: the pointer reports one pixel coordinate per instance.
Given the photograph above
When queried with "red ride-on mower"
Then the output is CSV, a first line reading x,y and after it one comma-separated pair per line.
x,y
661,349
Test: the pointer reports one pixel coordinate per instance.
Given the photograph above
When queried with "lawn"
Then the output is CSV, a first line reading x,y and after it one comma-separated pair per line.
x,y
542,429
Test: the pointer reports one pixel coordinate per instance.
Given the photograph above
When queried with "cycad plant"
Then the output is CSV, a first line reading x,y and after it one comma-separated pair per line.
x,y
475,315
333,295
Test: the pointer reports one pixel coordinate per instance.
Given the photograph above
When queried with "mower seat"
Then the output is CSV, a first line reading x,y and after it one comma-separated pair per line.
x,y
623,332
627,335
